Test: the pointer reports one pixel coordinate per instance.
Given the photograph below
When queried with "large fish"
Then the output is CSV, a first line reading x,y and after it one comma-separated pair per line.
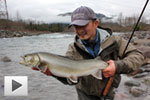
x,y
65,67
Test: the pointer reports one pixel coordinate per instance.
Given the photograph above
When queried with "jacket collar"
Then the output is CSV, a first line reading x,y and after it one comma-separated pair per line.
x,y
103,34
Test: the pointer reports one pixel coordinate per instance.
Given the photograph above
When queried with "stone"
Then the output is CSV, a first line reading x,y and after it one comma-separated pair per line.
x,y
147,80
147,98
6,59
121,96
132,83
139,75
137,91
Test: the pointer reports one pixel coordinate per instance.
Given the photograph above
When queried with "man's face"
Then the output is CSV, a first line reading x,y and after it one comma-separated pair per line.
x,y
87,32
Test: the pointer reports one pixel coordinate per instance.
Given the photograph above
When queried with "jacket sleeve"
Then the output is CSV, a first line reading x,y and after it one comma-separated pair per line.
x,y
70,51
132,59
73,53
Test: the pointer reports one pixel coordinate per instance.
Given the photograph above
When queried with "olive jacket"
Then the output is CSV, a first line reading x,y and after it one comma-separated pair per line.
x,y
111,48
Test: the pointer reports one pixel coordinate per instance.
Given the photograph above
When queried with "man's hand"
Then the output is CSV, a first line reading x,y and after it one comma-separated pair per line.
x,y
46,72
110,69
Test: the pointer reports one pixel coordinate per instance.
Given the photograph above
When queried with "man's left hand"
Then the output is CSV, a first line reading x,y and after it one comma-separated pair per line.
x,y
110,69
46,72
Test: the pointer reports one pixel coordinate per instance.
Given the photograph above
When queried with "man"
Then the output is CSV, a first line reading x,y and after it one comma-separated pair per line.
x,y
91,42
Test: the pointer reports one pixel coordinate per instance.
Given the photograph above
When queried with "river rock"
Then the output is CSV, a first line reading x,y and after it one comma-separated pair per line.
x,y
132,83
140,75
143,35
146,54
121,96
148,65
147,98
6,59
142,42
9,34
147,80
137,91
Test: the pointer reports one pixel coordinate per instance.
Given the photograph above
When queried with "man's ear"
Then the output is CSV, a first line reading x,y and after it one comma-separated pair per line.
x,y
96,23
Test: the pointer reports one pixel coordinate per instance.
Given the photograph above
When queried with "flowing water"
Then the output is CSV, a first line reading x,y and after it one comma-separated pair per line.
x,y
40,86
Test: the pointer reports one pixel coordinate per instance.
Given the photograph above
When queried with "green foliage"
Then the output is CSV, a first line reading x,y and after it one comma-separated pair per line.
x,y
61,27
54,27
141,26
32,26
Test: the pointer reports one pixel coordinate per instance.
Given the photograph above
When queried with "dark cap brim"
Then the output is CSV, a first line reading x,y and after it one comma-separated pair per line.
x,y
79,22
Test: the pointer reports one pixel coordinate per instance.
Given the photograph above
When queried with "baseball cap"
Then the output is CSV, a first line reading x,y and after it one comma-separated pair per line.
x,y
82,15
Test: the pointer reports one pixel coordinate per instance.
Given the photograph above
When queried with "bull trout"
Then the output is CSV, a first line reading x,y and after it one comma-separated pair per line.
x,y
65,67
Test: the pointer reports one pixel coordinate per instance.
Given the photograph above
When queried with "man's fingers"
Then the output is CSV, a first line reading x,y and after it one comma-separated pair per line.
x,y
47,71
107,69
34,68
110,69
110,61
107,74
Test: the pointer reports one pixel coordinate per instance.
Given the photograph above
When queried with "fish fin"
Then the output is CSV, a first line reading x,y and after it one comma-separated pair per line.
x,y
73,79
98,74
41,66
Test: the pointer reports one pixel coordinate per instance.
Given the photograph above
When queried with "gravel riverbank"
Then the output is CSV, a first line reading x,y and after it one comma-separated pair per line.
x,y
10,34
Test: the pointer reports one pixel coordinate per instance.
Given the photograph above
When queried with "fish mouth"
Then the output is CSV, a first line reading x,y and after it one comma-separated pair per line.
x,y
29,61
23,62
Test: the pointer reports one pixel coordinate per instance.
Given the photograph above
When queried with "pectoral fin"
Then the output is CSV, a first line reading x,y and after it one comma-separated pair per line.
x,y
73,79
42,66
98,74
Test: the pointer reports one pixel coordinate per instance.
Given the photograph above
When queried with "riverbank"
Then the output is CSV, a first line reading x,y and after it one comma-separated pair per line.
x,y
11,34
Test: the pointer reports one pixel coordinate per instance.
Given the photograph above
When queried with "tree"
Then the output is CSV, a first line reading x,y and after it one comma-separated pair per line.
x,y
120,19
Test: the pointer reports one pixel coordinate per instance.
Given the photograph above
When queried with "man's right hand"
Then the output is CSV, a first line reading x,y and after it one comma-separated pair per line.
x,y
110,69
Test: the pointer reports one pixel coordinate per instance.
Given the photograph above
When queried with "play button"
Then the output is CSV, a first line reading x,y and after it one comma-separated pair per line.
x,y
15,85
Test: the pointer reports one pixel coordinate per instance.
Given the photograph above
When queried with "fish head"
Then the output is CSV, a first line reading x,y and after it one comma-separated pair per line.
x,y
30,60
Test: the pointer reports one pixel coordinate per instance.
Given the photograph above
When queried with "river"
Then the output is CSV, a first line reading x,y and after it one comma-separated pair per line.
x,y
40,86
